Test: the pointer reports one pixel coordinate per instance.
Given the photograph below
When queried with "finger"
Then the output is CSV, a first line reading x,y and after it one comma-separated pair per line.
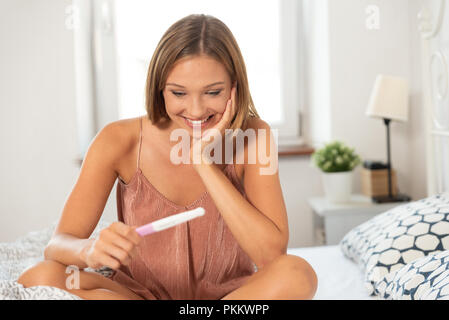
x,y
126,232
119,241
229,113
221,125
226,118
108,261
234,105
133,252
115,252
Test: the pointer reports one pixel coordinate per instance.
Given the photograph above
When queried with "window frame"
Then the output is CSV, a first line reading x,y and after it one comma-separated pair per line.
x,y
97,71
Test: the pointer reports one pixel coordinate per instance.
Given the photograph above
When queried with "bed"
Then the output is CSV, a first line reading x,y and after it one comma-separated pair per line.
x,y
402,253
340,279
17,256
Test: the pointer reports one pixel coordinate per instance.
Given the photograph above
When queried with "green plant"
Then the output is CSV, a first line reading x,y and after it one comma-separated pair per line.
x,y
335,157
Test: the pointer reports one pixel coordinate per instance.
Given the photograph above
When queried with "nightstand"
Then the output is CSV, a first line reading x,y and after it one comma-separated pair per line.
x,y
333,220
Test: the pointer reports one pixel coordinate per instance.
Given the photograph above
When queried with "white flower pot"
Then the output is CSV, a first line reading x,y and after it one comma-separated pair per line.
x,y
337,186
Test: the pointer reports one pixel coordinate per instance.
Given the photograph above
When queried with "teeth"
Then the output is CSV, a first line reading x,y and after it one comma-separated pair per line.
x,y
197,122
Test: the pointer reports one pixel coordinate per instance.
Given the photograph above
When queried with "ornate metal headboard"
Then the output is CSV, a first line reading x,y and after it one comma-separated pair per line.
x,y
435,53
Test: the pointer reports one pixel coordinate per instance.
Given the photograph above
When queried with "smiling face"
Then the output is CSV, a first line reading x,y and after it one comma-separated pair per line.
x,y
196,92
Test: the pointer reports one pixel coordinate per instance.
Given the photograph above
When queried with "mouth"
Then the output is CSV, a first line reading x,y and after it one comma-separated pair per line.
x,y
197,124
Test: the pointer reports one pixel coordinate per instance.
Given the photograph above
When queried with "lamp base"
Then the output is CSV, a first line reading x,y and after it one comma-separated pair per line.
x,y
394,198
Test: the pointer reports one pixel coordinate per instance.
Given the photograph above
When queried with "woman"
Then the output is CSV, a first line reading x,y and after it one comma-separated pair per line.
x,y
196,80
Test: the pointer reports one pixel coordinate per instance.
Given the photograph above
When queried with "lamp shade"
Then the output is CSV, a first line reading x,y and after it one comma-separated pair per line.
x,y
389,98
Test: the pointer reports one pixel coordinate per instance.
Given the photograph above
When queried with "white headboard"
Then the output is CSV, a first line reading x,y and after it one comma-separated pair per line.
x,y
434,28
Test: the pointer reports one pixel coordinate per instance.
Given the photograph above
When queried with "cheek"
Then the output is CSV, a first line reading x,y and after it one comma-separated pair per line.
x,y
219,105
173,106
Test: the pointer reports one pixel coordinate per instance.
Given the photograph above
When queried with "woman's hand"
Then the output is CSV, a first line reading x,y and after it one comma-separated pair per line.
x,y
114,246
210,137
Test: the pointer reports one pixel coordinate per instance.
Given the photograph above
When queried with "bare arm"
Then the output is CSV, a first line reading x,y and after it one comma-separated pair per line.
x,y
260,223
70,244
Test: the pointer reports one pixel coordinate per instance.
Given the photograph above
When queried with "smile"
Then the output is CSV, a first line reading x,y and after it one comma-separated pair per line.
x,y
198,123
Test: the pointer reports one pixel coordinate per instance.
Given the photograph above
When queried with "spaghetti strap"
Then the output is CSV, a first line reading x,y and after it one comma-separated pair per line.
x,y
140,143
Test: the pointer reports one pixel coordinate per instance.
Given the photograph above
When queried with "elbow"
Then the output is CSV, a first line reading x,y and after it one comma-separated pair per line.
x,y
271,252
47,252
268,258
278,249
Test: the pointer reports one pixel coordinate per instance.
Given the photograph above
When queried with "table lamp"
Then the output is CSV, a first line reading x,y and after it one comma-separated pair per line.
x,y
389,101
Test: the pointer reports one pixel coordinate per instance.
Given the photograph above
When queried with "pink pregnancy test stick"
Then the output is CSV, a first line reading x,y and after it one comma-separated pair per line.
x,y
170,221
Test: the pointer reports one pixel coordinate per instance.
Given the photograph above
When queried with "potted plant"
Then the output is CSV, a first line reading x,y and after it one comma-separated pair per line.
x,y
336,162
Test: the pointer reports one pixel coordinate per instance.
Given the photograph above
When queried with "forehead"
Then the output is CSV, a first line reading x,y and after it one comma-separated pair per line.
x,y
197,71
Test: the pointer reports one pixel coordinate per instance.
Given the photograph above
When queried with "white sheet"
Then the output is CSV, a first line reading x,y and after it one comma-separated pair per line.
x,y
339,278
16,256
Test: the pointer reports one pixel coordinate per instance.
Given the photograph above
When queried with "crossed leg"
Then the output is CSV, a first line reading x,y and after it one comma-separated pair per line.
x,y
288,277
92,285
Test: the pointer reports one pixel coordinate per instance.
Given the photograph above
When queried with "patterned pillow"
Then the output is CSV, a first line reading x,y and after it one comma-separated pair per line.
x,y
398,236
424,279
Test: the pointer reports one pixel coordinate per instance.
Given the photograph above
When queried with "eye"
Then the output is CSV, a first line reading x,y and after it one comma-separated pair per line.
x,y
214,93
178,94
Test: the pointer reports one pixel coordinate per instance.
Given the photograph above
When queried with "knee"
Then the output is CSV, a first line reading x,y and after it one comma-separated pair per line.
x,y
44,273
299,275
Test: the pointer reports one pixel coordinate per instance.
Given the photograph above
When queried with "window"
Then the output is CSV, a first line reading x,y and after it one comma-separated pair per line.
x,y
266,31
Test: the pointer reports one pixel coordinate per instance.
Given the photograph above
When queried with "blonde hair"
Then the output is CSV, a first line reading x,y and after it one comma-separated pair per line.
x,y
195,35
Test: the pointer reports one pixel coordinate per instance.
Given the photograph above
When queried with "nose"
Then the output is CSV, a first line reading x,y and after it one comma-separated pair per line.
x,y
197,109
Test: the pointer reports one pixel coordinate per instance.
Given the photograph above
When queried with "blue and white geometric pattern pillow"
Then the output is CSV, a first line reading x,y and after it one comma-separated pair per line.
x,y
399,236
423,279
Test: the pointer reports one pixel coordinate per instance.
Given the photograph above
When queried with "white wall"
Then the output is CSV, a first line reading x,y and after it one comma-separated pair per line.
x,y
38,137
416,132
355,56
299,181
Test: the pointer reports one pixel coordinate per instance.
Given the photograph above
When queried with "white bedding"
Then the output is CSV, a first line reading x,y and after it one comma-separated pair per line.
x,y
338,277
17,256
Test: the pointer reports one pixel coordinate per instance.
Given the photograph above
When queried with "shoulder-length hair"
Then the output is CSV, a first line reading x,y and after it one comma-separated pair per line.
x,y
194,35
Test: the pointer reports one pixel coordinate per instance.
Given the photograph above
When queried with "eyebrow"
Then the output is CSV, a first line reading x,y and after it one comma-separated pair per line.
x,y
209,85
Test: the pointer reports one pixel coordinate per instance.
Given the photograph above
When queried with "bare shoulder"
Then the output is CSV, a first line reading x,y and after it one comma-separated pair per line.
x,y
260,127
117,139
123,129
257,123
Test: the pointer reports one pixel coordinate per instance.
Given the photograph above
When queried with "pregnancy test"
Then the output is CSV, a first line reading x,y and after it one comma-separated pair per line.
x,y
170,221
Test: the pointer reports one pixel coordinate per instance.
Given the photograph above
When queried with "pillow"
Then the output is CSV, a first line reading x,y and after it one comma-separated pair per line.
x,y
399,236
424,279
